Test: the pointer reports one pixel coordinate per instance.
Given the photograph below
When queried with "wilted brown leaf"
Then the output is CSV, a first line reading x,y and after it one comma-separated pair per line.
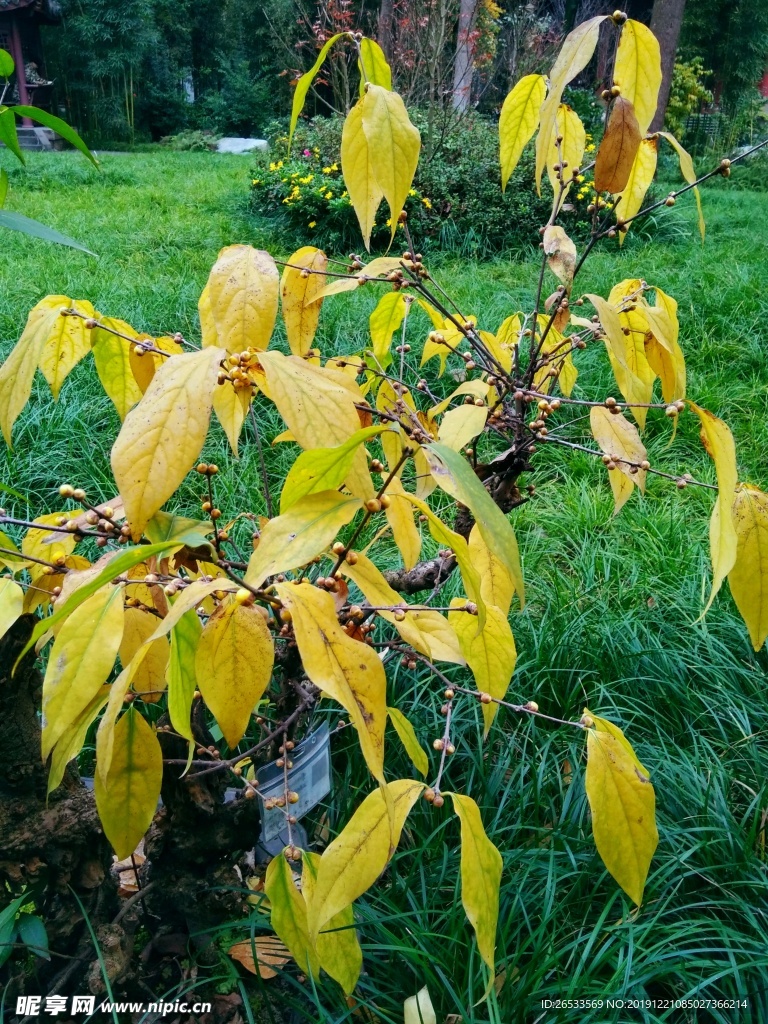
x,y
618,149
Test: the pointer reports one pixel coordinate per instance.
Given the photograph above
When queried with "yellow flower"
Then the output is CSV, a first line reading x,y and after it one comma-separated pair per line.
x,y
307,179
334,167
590,148
273,167
426,202
412,192
579,177
316,151
312,224
326,170
255,181
344,194
329,194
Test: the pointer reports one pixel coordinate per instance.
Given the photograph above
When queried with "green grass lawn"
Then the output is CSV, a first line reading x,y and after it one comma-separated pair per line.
x,y
611,621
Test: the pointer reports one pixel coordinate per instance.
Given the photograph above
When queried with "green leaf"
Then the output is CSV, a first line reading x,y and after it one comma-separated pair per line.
x,y
6,64
481,866
3,186
121,563
623,805
322,469
454,474
289,915
128,800
33,934
408,738
8,133
60,127
182,680
28,226
386,318
8,926
303,84
166,526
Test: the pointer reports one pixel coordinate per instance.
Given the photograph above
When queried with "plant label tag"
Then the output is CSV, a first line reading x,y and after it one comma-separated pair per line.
x,y
310,777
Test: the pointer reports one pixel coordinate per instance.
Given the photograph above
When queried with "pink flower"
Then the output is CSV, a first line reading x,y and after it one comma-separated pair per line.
x,y
307,152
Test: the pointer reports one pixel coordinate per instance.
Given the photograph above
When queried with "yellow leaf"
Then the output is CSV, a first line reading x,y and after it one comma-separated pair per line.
x,y
322,469
561,254
337,945
297,536
748,579
476,388
349,671
10,556
399,515
480,878
446,537
38,544
18,370
574,56
11,603
318,406
393,144
68,342
637,70
144,367
418,1009
718,442
127,801
359,854
242,297
490,654
567,126
105,734
181,676
641,175
71,743
162,436
365,193
459,426
408,738
688,172
518,121
496,584
426,630
231,406
149,680
207,324
386,318
297,291
373,65
625,360
618,149
454,475
304,83
619,438
289,915
80,661
233,666
623,806
112,356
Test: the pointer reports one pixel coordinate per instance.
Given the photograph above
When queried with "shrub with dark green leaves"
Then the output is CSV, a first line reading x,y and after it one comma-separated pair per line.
x,y
455,205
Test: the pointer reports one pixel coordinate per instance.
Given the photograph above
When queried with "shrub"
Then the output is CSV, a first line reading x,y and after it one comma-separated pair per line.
x,y
455,204
209,647
191,140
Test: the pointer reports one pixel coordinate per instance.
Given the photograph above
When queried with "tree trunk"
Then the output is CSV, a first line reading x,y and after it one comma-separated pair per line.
x,y
666,21
465,52
386,18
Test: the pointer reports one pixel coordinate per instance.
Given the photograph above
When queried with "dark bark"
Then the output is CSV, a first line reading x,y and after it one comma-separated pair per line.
x,y
386,27
666,20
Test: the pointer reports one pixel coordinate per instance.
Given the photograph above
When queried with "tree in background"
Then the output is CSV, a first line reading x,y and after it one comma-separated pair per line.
x,y
666,21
